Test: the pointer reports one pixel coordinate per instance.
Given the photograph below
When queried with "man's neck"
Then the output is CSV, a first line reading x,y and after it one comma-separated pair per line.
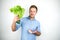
x,y
31,18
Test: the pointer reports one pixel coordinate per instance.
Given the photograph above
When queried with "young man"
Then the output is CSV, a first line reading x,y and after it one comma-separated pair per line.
x,y
30,26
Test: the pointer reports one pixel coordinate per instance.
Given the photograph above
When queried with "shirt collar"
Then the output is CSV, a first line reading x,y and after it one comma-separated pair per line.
x,y
30,19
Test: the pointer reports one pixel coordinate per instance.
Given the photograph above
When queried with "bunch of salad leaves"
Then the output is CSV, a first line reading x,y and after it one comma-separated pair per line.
x,y
18,10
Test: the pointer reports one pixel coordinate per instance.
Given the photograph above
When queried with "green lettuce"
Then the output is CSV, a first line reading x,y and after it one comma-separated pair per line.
x,y
18,10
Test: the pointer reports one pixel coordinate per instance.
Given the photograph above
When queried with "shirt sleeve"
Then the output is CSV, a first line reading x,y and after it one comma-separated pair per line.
x,y
38,27
18,25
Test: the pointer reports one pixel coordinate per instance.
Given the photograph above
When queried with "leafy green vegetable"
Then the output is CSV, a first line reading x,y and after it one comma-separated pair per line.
x,y
18,10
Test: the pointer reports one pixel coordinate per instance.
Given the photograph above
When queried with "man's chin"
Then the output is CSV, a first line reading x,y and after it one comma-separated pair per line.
x,y
32,16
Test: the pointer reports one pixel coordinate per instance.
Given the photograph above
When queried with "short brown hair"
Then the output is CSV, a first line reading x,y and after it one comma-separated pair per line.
x,y
33,6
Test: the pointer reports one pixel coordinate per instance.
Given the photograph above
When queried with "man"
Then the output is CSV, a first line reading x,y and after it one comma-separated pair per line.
x,y
30,26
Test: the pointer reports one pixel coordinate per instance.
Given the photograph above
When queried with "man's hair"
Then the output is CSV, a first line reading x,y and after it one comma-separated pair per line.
x,y
33,6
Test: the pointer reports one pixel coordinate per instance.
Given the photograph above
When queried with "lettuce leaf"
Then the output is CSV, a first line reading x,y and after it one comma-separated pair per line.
x,y
18,10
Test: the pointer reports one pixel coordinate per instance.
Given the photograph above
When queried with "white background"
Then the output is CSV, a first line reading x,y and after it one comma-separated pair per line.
x,y
48,16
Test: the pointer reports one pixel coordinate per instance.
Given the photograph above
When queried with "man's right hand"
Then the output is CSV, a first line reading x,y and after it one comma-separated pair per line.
x,y
16,18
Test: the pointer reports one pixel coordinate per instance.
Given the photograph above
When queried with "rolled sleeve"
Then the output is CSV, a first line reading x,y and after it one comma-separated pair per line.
x,y
17,26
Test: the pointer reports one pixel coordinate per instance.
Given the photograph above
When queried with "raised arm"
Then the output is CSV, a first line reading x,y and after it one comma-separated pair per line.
x,y
16,18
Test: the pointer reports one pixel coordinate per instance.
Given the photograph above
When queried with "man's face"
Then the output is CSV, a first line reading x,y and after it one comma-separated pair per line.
x,y
32,12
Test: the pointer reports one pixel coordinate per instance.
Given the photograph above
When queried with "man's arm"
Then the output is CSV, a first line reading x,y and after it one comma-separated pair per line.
x,y
37,33
14,26
14,23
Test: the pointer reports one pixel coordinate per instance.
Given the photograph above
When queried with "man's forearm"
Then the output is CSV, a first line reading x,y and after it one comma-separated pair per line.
x,y
37,33
14,26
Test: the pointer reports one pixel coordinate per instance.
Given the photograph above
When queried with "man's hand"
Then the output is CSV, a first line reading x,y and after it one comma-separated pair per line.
x,y
35,32
16,18
30,31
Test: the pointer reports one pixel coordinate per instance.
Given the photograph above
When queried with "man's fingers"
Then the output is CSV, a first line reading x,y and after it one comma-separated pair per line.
x,y
30,31
16,18
34,31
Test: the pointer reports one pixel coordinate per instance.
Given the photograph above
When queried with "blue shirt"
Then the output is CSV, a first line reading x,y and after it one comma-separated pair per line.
x,y
27,24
